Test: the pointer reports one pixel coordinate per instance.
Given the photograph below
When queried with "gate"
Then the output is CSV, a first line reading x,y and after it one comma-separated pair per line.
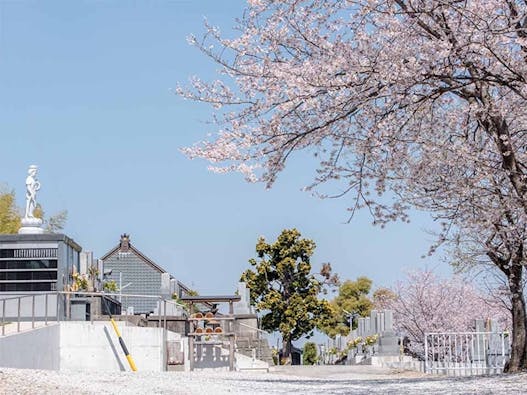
x,y
466,353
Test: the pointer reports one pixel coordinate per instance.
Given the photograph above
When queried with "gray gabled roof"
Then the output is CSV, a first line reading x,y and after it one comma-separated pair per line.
x,y
146,260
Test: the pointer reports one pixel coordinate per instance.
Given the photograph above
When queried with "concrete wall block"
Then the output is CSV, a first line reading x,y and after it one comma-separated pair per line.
x,y
35,349
95,346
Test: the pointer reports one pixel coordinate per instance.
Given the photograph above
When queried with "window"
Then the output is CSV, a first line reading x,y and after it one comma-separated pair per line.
x,y
24,287
29,264
29,275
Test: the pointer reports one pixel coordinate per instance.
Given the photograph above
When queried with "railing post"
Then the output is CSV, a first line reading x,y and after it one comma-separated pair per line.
x,y
33,312
46,309
58,306
159,313
164,347
91,307
67,313
3,317
18,316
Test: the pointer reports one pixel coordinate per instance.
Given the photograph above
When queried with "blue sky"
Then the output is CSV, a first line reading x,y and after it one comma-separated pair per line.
x,y
86,94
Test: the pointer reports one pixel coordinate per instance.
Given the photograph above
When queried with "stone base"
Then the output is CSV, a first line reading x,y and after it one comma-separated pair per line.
x,y
30,230
31,226
389,344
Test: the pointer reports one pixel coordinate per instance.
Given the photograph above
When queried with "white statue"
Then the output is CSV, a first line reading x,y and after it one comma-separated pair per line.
x,y
32,186
31,224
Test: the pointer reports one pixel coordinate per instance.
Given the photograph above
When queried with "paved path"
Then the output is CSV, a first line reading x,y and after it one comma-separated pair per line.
x,y
289,380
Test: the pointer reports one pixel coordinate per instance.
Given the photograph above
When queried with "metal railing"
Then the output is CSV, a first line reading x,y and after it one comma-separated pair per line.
x,y
16,312
466,353
43,308
261,336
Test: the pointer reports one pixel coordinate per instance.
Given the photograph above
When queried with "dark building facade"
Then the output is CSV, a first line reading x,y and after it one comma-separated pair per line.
x,y
37,262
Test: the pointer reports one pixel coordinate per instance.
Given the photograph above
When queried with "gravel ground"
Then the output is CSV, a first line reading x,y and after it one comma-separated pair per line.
x,y
300,380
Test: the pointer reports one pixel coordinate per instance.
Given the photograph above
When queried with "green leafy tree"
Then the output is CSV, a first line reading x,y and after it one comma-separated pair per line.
x,y
352,298
309,354
111,286
53,224
10,215
284,289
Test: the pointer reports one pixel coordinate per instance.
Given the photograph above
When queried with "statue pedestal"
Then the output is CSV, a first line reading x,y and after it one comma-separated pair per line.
x,y
31,226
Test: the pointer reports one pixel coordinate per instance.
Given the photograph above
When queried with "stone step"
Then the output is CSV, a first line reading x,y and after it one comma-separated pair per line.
x,y
246,345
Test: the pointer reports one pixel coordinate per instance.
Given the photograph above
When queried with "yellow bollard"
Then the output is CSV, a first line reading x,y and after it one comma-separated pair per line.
x,y
123,346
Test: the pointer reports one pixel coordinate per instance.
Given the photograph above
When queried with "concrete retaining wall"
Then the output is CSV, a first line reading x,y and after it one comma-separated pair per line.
x,y
34,349
96,347
84,346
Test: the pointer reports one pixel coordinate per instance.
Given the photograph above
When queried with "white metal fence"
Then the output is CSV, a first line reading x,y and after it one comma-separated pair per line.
x,y
466,353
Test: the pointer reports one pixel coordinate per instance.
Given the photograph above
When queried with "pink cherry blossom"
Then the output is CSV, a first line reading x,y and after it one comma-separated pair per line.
x,y
402,103
425,303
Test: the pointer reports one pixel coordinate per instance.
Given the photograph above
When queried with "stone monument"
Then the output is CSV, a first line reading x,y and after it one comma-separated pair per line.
x,y
244,305
31,224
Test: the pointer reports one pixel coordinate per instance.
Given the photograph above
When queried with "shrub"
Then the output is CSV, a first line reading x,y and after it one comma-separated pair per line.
x,y
309,355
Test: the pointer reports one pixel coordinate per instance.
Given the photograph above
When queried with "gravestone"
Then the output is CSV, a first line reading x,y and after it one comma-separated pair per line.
x,y
388,341
380,322
244,305
165,286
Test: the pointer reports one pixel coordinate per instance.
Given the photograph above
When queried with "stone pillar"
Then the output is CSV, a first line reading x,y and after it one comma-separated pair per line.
x,y
244,305
388,320
367,326
388,341
479,325
100,269
361,327
83,262
174,288
373,322
165,286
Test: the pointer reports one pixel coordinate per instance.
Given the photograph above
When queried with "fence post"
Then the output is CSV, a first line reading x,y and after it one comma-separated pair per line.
x,y
503,350
426,353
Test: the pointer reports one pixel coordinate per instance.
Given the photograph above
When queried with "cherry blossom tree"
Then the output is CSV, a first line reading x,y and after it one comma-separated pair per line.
x,y
403,104
424,302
